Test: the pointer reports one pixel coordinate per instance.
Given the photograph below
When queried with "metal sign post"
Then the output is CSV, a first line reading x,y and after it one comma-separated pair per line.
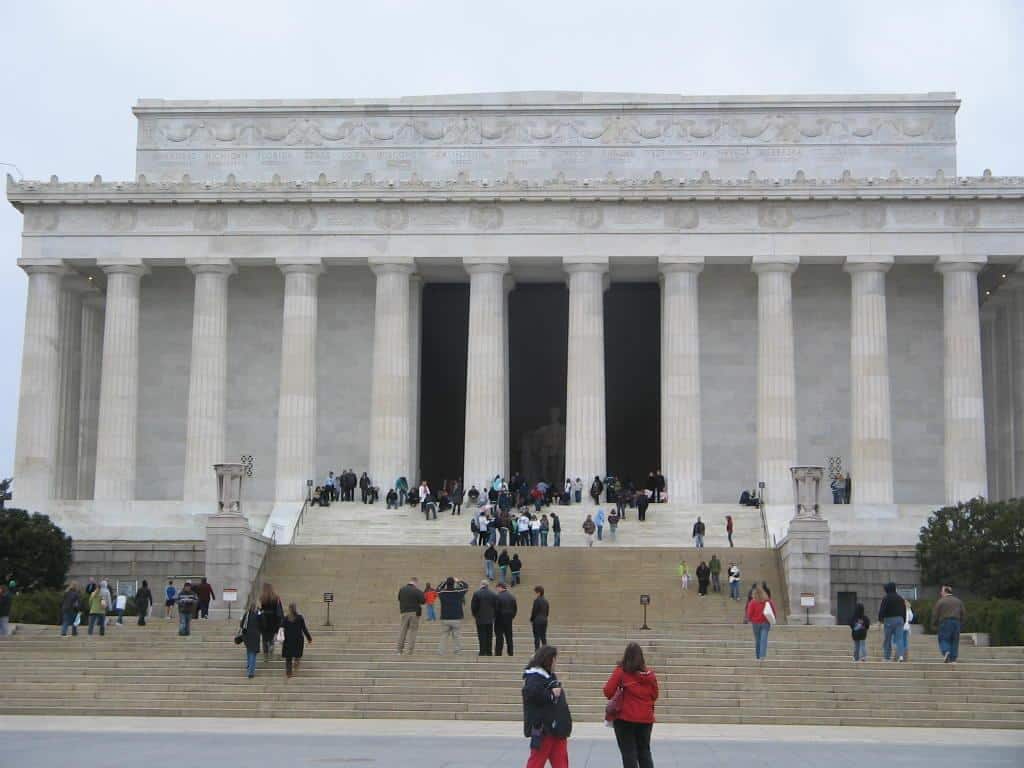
x,y
328,599
229,595
807,602
645,600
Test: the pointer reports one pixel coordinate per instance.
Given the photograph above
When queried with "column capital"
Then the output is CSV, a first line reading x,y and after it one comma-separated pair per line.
x,y
573,264
44,266
300,266
382,265
669,264
123,267
475,265
868,263
961,264
211,266
789,264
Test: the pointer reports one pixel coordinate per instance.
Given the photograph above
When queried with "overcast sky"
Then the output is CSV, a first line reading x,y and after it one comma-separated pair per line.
x,y
72,71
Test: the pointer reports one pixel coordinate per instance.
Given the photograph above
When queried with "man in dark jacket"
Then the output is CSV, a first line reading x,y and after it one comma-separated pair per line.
x,y
892,613
483,607
659,487
641,506
410,598
452,597
490,558
204,593
539,618
504,614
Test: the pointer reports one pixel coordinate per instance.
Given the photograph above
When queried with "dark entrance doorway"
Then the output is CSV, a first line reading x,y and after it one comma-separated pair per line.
x,y
445,326
538,355
632,362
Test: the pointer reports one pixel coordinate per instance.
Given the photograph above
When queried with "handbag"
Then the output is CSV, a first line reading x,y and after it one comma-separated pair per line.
x,y
240,634
769,613
613,708
279,637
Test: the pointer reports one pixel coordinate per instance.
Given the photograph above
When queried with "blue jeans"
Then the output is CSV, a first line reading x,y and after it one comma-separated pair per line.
x,y
250,663
761,639
600,530
893,637
98,618
949,638
860,649
558,538
504,574
543,538
184,623
401,498
699,541
489,569
579,496
734,590
68,620
431,613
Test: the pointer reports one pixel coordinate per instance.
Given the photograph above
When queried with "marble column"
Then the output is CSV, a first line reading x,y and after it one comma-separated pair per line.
x,y
965,468
297,398
486,373
116,438
776,388
989,378
391,397
89,403
73,290
206,425
681,448
870,409
415,351
1016,286
585,446
35,455
1002,436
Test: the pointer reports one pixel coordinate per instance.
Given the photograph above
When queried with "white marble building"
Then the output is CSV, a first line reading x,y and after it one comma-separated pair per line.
x,y
821,267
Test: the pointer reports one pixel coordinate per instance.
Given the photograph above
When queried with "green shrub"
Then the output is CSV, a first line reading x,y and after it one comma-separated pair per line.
x,y
1002,620
34,551
39,607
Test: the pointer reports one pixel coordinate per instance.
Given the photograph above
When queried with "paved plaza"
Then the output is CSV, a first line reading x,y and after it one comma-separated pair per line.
x,y
44,742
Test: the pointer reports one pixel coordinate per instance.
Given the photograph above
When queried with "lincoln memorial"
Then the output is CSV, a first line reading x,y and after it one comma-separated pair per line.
x,y
561,284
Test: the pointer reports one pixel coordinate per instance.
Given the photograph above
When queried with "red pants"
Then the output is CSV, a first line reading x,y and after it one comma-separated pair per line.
x,y
553,749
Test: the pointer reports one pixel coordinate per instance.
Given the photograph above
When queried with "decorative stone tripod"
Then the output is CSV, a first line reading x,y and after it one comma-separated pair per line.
x,y
233,551
805,554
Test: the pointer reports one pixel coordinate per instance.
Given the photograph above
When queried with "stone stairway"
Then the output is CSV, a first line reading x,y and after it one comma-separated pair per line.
x,y
667,525
584,586
707,675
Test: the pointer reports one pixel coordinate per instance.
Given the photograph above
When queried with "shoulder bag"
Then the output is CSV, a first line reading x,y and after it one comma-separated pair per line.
x,y
613,708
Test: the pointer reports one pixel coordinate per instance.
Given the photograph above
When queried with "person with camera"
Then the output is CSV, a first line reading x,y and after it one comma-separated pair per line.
x,y
410,600
452,596
547,721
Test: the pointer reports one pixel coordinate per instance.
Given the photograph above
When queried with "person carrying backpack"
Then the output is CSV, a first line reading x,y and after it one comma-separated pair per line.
x,y
859,626
596,488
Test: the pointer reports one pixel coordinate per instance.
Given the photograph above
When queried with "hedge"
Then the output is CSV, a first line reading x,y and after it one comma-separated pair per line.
x,y
1003,620
42,606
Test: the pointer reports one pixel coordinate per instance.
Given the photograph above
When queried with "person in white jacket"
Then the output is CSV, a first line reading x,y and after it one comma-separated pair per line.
x,y
906,629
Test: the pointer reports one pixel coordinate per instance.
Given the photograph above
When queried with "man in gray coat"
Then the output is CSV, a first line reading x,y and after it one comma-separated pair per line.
x,y
482,607
410,600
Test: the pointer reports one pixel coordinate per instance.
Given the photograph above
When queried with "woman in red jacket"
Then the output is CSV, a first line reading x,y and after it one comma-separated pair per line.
x,y
635,719
761,614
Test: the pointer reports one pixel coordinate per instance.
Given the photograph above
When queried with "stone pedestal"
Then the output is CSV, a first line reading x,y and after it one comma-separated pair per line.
x,y
805,552
234,553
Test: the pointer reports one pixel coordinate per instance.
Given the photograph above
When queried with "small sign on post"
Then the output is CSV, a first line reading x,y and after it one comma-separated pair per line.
x,y
645,600
229,595
807,602
328,599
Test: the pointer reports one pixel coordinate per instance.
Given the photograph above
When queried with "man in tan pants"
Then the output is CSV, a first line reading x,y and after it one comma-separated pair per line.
x,y
410,600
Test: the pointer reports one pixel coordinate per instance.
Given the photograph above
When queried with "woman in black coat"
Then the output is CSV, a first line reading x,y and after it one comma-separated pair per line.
x,y
271,614
249,634
294,630
143,599
703,577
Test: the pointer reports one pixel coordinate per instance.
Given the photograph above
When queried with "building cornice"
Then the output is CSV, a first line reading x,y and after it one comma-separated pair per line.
x,y
463,189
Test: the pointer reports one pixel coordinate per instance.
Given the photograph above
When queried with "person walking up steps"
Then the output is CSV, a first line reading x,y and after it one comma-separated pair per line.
x,y
859,626
761,615
271,615
410,600
948,616
490,558
633,719
547,721
684,575
170,593
728,528
516,566
249,635
599,522
294,631
503,561
539,618
143,602
734,581
698,534
892,613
